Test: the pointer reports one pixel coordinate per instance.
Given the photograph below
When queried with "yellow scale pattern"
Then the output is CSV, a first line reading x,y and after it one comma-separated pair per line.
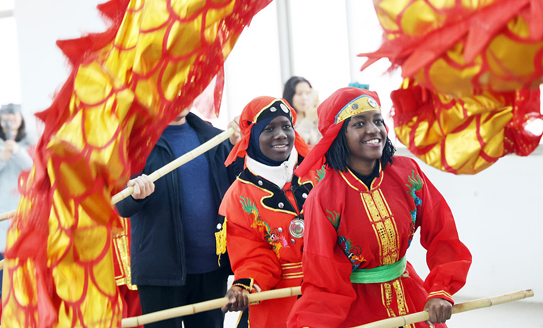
x,y
479,87
164,53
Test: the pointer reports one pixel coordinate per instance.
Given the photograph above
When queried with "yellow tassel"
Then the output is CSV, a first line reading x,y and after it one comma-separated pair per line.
x,y
220,239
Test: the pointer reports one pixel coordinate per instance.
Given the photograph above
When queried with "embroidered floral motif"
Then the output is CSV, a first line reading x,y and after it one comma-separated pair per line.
x,y
320,173
274,236
415,185
353,253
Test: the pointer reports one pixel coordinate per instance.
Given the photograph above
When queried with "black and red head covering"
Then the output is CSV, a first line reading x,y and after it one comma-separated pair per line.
x,y
332,113
259,110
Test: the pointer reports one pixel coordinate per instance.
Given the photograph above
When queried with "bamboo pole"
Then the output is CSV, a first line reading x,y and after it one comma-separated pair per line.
x,y
206,306
178,162
5,216
457,308
160,172
165,169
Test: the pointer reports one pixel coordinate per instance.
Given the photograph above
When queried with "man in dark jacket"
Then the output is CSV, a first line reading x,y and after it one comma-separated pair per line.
x,y
173,222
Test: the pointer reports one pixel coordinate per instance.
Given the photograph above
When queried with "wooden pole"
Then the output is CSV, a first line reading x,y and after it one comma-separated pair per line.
x,y
165,169
160,172
178,162
457,308
206,306
5,216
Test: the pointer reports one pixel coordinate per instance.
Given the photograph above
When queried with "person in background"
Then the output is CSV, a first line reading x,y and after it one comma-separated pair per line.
x,y
360,221
14,158
263,212
299,93
173,222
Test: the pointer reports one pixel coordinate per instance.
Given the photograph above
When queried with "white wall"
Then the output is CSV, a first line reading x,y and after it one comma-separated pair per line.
x,y
42,65
499,216
499,212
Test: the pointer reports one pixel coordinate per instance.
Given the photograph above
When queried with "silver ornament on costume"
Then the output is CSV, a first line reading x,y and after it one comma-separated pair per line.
x,y
372,102
296,228
284,108
273,109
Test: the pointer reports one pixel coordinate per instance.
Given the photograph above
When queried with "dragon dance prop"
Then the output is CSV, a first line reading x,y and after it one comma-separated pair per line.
x,y
166,168
472,70
213,142
126,85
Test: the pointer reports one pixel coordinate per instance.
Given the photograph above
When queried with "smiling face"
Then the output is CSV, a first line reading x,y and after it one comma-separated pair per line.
x,y
277,139
366,137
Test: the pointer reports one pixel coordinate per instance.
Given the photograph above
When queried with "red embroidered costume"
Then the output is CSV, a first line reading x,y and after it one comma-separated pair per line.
x,y
263,220
351,228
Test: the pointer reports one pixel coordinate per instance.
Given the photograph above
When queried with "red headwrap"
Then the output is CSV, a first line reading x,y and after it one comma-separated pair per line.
x,y
342,104
249,117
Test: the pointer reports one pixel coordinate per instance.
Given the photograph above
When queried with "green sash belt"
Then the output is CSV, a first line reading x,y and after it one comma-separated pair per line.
x,y
379,274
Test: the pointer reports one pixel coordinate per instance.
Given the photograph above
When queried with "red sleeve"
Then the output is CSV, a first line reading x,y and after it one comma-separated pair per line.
x,y
251,257
327,292
447,257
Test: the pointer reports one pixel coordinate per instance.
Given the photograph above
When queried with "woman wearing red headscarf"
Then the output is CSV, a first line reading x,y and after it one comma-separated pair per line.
x,y
360,221
264,225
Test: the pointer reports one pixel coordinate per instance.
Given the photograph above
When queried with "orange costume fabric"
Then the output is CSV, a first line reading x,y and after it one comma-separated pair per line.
x,y
127,84
479,65
261,247
350,226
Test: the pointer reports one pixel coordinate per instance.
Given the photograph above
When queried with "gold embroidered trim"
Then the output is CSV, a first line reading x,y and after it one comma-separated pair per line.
x,y
122,250
220,240
371,207
293,270
292,265
292,275
359,105
386,292
384,226
380,204
441,292
348,183
250,289
265,197
400,297
269,105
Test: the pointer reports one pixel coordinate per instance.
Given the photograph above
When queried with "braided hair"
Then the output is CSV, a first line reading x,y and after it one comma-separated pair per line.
x,y
338,153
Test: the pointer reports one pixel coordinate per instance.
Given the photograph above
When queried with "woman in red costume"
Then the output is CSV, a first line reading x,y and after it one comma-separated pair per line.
x,y
263,226
360,221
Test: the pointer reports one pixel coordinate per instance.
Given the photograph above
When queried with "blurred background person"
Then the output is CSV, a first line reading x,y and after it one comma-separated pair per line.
x,y
14,158
299,93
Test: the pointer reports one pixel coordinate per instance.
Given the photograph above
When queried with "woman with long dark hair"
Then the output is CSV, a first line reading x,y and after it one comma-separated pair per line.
x,y
360,221
299,93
